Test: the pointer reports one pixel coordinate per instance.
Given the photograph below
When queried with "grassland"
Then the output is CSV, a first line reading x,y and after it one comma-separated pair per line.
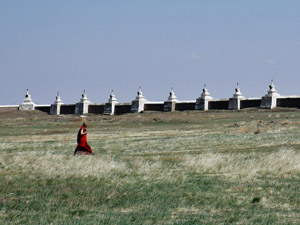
x,y
190,167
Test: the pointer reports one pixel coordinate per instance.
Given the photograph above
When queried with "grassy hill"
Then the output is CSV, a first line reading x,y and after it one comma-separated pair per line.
x,y
154,168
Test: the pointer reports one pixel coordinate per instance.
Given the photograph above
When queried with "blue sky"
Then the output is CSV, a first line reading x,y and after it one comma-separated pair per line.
x,y
67,46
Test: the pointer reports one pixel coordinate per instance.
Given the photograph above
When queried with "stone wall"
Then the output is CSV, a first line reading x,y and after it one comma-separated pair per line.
x,y
250,103
140,104
154,107
122,108
219,104
67,109
289,102
9,108
98,109
43,108
182,106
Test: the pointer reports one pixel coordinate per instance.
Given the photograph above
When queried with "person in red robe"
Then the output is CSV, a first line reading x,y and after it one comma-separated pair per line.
x,y
82,145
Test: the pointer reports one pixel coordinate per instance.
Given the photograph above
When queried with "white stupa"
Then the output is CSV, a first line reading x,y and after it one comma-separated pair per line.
x,y
202,101
137,105
27,104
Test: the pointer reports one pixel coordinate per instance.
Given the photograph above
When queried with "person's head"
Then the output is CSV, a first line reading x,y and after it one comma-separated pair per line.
x,y
84,124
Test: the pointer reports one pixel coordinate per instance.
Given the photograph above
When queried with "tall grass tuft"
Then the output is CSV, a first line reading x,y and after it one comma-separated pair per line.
x,y
285,161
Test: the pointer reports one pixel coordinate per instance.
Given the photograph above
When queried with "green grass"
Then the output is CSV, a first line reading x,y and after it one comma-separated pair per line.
x,y
215,167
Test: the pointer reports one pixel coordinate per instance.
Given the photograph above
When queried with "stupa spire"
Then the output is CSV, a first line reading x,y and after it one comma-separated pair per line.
x,y
57,98
172,96
112,97
238,92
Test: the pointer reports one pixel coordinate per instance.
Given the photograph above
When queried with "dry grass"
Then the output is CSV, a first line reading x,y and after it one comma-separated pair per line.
x,y
52,165
284,162
192,168
236,166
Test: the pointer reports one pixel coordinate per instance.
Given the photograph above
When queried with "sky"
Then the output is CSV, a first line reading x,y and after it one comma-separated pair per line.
x,y
103,45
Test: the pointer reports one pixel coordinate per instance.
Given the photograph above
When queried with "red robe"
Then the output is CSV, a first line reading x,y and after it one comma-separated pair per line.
x,y
83,146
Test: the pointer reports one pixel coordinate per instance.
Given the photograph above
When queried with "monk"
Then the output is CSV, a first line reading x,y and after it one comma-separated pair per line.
x,y
82,145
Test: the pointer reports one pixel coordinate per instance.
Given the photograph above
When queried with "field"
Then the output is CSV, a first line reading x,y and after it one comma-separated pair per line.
x,y
219,167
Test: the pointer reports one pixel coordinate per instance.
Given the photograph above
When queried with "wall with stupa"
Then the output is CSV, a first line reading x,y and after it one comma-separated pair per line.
x,y
204,102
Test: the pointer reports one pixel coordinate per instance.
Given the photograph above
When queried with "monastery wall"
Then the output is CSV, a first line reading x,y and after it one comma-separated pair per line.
x,y
140,104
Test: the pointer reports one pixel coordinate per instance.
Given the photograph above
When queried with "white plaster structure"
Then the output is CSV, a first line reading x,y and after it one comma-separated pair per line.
x,y
109,107
205,102
82,107
269,101
202,102
27,104
55,107
235,101
169,105
137,105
